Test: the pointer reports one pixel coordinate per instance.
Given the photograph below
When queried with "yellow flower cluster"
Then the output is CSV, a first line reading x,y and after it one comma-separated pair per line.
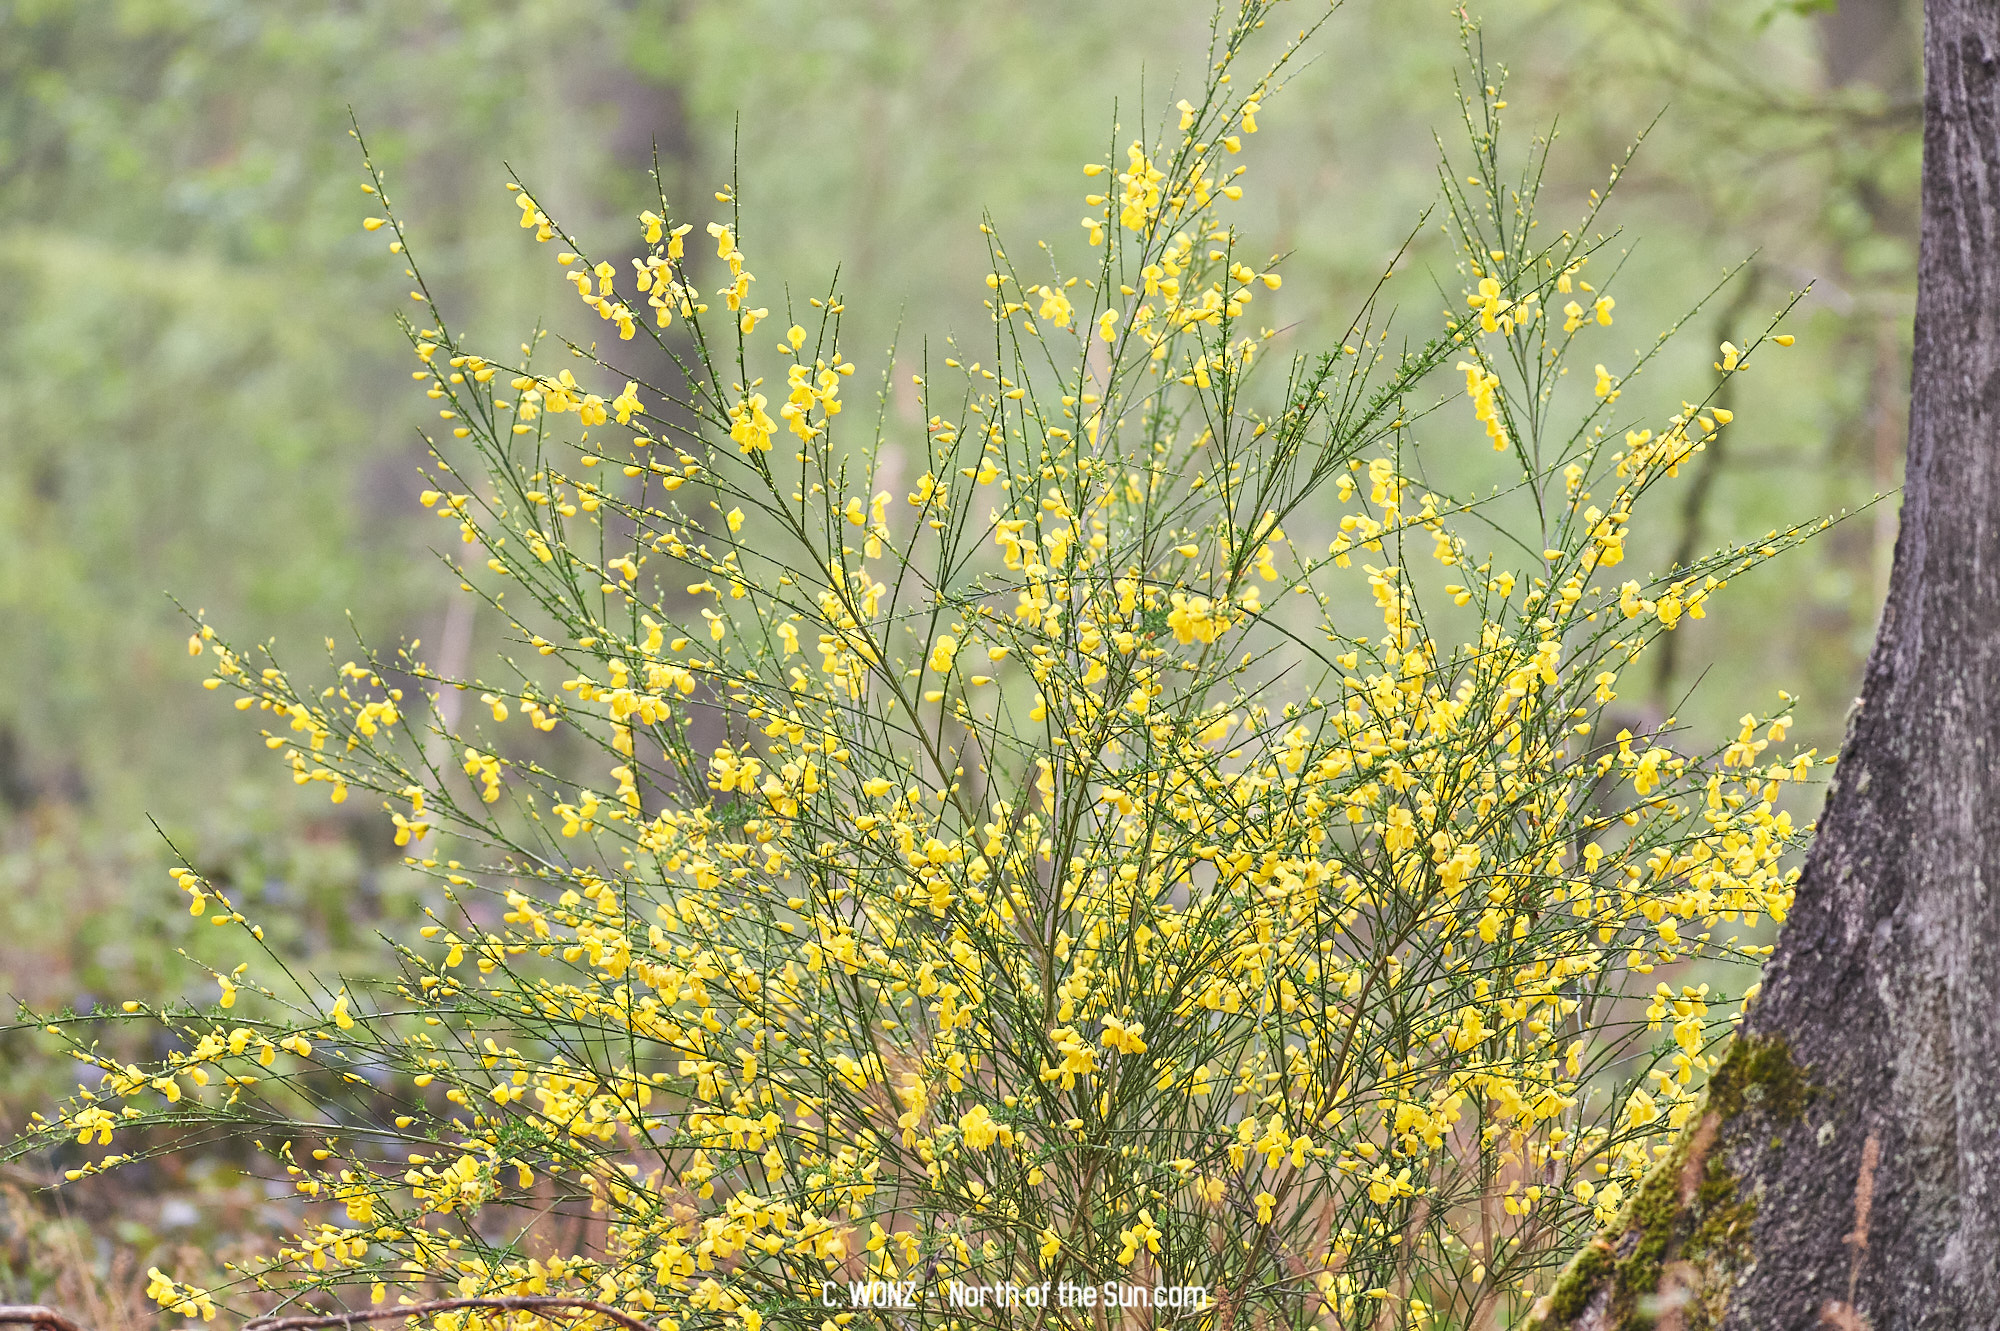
x,y
1070,875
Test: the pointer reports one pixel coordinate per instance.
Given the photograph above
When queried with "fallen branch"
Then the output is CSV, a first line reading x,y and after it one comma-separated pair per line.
x,y
531,1303
34,1314
37,1315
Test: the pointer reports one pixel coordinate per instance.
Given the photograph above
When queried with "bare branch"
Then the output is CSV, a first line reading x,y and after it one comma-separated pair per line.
x,y
37,1315
34,1314
531,1303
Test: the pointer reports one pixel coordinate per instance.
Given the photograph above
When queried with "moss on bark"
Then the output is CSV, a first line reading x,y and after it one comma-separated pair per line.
x,y
1672,1256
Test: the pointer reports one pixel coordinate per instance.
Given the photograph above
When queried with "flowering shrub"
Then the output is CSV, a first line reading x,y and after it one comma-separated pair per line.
x,y
1175,840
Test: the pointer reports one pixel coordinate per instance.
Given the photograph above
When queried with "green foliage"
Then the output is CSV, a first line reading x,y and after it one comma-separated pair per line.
x,y
193,394
985,884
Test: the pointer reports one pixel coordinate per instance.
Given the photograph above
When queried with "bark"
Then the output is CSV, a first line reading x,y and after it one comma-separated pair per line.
x,y
1846,1170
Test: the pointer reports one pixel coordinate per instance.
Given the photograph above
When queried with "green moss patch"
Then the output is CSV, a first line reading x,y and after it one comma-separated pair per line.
x,y
1685,1233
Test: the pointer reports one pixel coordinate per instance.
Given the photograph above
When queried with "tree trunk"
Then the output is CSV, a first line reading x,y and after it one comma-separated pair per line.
x,y
1846,1169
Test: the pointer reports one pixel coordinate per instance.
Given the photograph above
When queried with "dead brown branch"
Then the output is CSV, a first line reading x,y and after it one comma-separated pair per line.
x,y
36,1315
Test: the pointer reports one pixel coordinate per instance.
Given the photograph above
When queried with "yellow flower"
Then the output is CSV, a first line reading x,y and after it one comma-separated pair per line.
x,y
1123,1037
980,1131
943,652
1056,308
1383,1188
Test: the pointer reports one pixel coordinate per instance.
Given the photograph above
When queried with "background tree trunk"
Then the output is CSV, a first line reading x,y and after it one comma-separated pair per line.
x,y
1846,1171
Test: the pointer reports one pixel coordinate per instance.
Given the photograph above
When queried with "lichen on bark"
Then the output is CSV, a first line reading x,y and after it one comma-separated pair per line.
x,y
1674,1253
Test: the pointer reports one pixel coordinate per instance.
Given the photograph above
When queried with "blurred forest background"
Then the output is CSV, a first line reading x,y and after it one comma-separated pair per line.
x,y
202,392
